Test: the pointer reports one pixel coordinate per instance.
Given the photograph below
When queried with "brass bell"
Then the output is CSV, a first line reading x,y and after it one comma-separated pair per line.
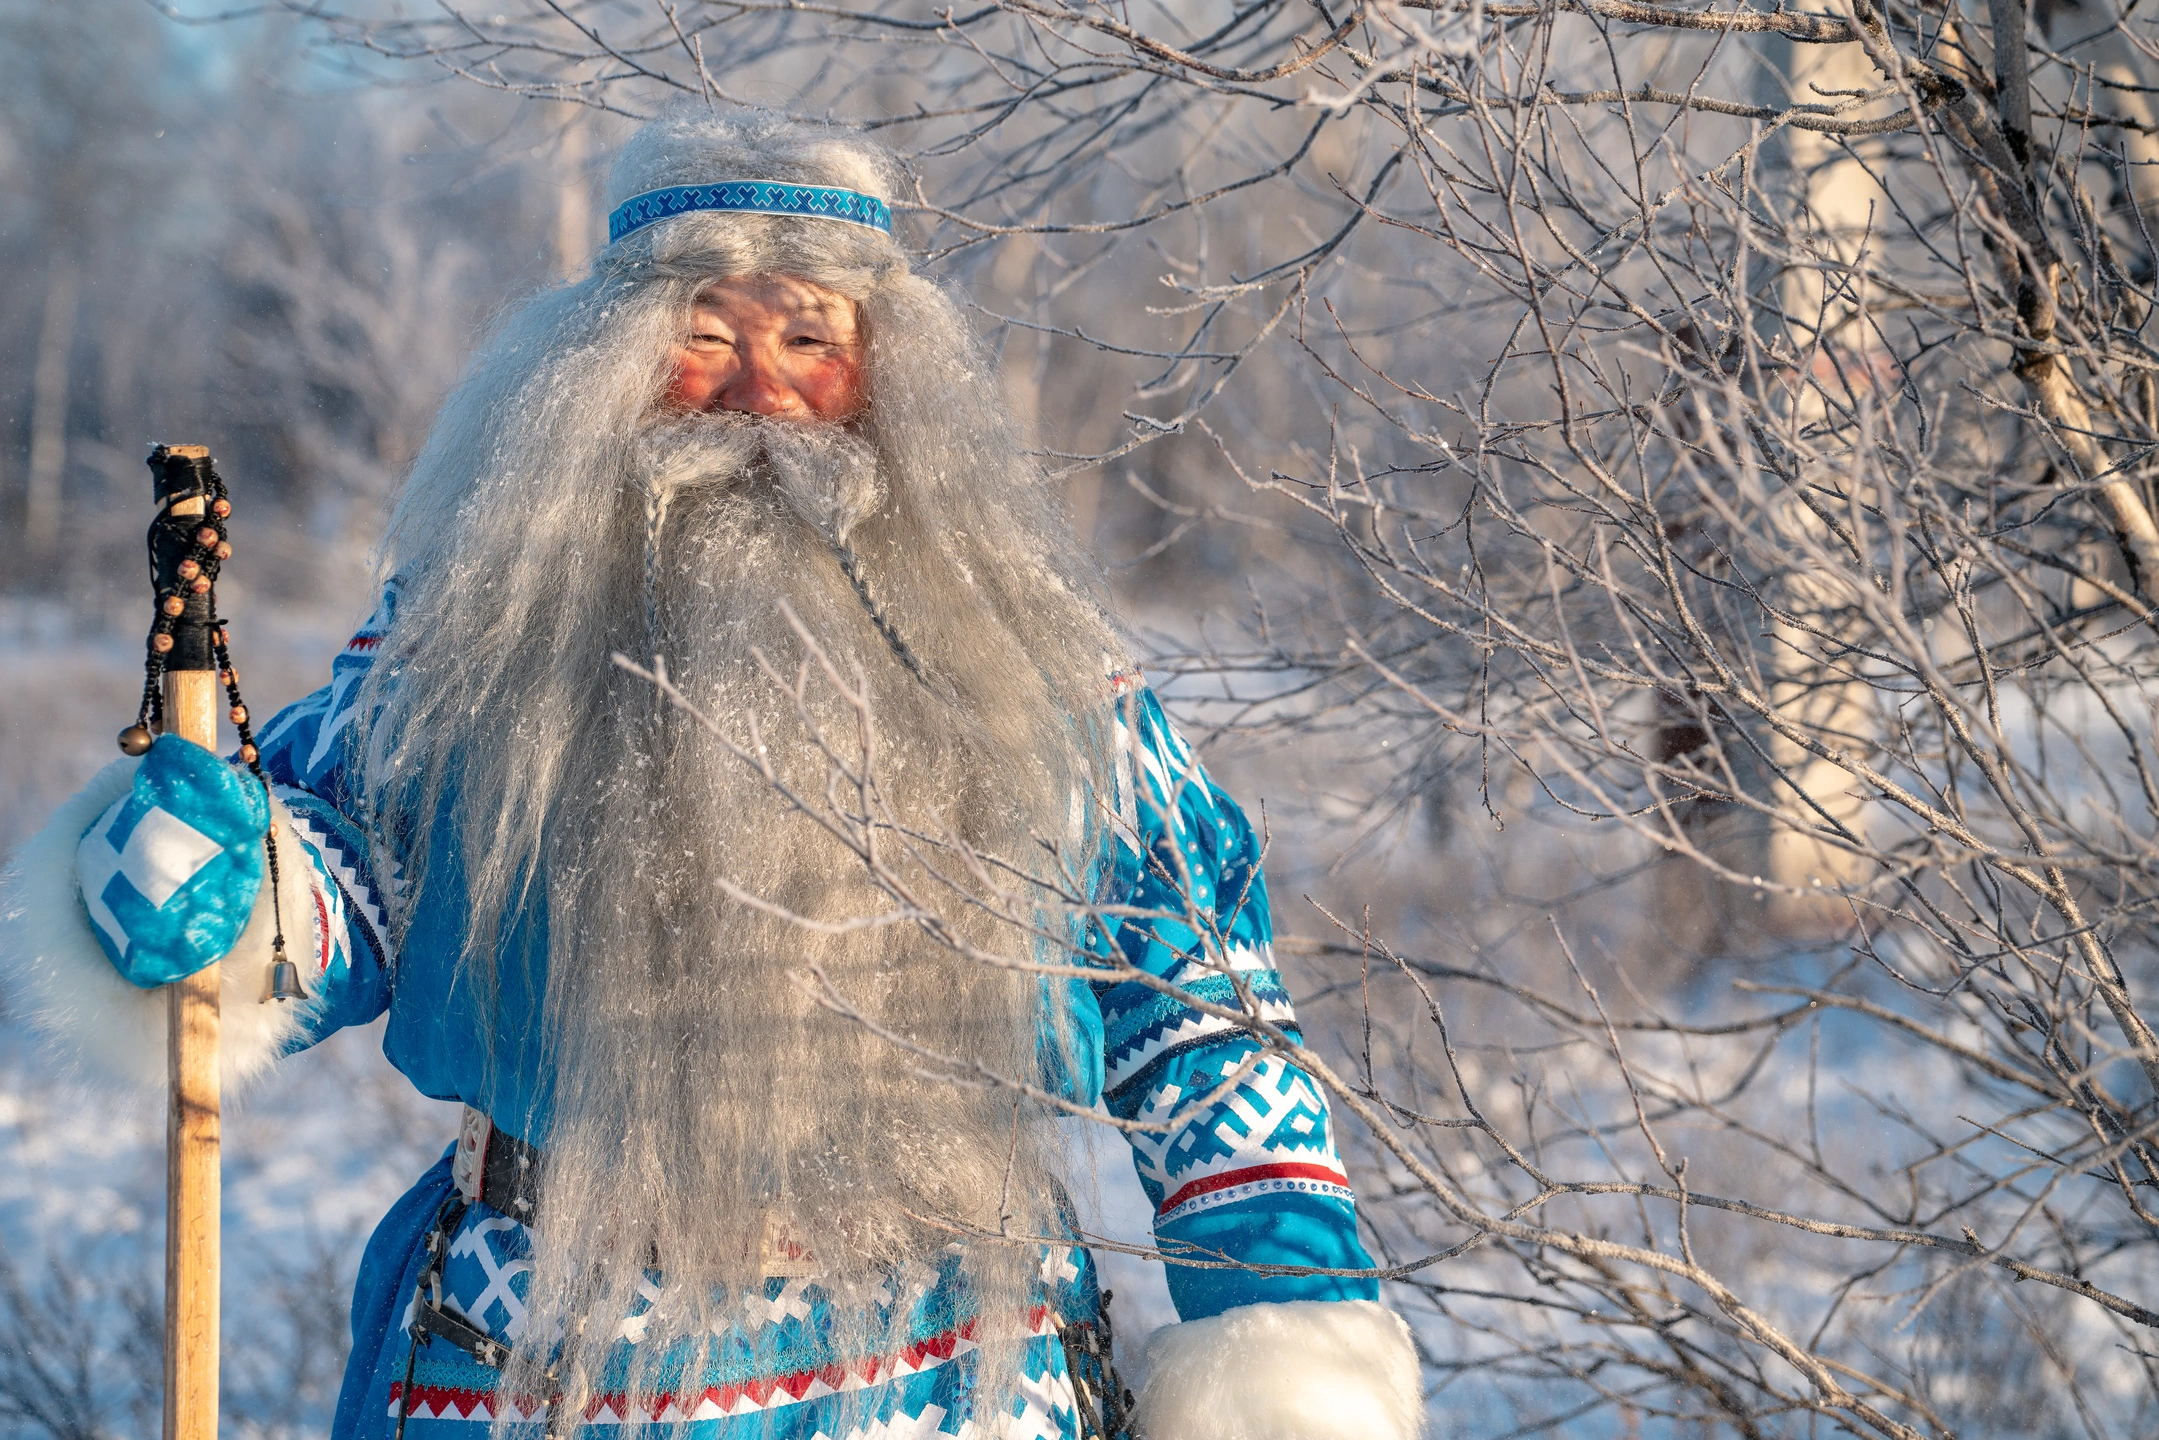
x,y
285,981
135,740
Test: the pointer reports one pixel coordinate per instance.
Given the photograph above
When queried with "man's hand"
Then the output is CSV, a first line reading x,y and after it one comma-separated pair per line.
x,y
170,872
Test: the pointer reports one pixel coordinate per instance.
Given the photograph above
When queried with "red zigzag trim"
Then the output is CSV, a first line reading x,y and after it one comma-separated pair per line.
x,y
762,1393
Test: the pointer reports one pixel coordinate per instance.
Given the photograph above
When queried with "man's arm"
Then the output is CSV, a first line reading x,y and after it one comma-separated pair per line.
x,y
1248,1171
309,751
155,870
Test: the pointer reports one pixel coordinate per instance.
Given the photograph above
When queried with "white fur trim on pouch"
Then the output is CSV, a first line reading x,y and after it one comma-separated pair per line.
x,y
96,1023
1300,1370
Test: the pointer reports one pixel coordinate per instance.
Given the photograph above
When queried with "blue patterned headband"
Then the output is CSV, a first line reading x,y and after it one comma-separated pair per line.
x,y
758,197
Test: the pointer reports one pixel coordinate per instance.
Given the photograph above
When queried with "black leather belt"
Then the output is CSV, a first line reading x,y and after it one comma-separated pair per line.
x,y
492,1168
496,1169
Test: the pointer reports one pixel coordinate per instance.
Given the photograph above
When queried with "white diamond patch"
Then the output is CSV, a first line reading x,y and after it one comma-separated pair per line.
x,y
163,853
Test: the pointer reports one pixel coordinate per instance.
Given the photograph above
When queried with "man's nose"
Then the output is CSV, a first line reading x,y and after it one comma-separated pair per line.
x,y
757,390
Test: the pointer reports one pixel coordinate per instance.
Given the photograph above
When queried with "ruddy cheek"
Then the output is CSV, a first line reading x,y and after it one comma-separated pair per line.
x,y
693,384
834,390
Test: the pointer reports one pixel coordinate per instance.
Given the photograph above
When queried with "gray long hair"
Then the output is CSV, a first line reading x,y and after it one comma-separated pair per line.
x,y
698,1095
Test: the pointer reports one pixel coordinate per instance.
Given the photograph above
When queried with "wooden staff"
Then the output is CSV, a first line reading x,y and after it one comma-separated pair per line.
x,y
193,1185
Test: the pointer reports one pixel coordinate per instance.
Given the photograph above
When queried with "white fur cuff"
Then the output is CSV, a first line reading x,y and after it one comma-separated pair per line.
x,y
1300,1370
95,1022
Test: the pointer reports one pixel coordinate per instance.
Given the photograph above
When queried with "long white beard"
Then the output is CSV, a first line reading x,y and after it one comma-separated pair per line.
x,y
702,1097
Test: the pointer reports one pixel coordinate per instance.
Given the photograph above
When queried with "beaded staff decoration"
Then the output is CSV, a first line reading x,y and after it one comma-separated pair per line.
x,y
186,552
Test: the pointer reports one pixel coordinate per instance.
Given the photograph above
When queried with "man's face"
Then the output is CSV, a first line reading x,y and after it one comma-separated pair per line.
x,y
771,345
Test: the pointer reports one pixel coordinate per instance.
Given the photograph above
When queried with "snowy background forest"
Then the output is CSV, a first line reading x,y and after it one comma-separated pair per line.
x,y
1655,501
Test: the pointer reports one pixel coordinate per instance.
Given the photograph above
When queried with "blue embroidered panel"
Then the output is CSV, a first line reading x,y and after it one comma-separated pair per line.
x,y
775,1376
1247,1171
307,744
759,197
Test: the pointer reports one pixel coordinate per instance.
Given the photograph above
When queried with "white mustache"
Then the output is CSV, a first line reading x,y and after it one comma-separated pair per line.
x,y
827,474
698,451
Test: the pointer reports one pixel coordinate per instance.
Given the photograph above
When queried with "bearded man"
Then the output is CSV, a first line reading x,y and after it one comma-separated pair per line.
x,y
687,959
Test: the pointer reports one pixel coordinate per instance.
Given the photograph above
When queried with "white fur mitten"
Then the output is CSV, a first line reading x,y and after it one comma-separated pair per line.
x,y
93,1021
1300,1370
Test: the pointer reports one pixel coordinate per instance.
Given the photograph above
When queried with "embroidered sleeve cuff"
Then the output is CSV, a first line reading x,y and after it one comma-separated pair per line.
x,y
1300,1370
59,977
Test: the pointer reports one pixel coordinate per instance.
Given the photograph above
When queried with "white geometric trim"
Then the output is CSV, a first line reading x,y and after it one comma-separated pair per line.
x,y
290,716
1120,1068
500,1274
341,710
1243,1132
328,853
96,864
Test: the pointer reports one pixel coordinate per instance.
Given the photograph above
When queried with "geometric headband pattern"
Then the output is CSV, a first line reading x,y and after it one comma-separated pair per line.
x,y
759,197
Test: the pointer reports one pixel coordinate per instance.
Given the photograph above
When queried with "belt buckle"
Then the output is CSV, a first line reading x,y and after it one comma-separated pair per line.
x,y
470,1164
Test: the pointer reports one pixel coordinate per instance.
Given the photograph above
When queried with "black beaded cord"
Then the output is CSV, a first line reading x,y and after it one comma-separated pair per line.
x,y
206,549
